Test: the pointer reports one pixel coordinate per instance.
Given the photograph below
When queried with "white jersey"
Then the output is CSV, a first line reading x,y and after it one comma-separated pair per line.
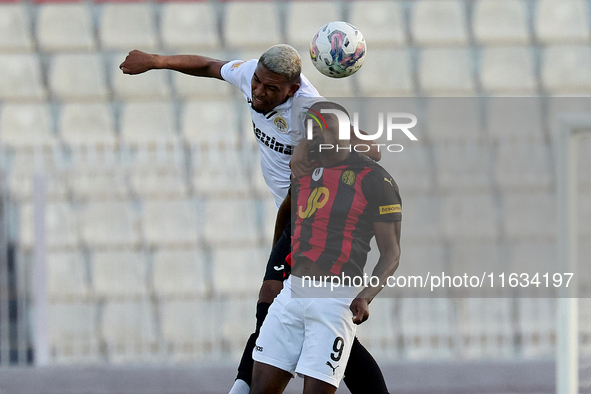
x,y
272,130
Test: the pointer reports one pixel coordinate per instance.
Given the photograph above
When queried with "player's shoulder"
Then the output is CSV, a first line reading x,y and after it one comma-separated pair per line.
x,y
376,173
306,88
239,67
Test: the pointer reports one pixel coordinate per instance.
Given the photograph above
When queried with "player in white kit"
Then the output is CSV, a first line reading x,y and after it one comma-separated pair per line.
x,y
268,85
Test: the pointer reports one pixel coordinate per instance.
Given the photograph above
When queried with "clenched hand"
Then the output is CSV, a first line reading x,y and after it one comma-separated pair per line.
x,y
138,62
360,309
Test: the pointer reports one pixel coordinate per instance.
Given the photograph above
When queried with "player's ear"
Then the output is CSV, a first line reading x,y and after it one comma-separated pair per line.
x,y
293,89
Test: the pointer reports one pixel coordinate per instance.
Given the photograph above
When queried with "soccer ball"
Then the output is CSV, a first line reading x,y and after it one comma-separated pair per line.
x,y
338,49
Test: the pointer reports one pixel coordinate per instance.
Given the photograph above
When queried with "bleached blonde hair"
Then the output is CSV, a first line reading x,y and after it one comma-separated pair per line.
x,y
284,60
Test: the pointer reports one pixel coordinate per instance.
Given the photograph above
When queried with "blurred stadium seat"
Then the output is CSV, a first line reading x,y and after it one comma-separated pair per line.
x,y
78,77
465,166
378,334
562,21
439,22
189,329
416,315
491,339
27,126
236,323
454,119
411,170
219,172
109,224
20,78
567,69
119,275
127,26
522,218
446,72
175,223
423,218
210,123
523,166
240,218
67,276
381,22
87,124
15,33
97,175
259,30
159,178
72,333
188,87
500,22
61,227
514,118
189,26
523,252
303,23
237,271
392,81
508,71
129,331
148,124
179,273
470,216
538,338
26,165
65,27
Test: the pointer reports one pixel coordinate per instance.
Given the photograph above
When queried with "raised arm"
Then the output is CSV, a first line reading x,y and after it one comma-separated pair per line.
x,y
138,62
388,240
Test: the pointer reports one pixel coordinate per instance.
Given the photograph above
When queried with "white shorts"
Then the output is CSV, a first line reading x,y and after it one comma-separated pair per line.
x,y
307,336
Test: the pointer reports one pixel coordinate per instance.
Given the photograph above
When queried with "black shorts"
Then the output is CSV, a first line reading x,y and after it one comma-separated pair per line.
x,y
277,268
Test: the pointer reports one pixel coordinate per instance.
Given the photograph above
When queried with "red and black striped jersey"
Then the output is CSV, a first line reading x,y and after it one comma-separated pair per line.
x,y
334,210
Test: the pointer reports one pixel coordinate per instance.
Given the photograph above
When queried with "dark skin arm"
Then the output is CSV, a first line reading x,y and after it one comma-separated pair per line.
x,y
138,62
301,166
388,240
282,218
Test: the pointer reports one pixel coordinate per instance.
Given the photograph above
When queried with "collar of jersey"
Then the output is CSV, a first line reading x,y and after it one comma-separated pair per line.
x,y
280,107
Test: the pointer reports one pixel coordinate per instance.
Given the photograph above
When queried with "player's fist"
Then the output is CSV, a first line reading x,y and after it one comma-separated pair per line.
x,y
360,309
138,62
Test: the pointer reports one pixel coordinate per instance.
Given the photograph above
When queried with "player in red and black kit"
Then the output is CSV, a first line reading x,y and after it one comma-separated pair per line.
x,y
336,212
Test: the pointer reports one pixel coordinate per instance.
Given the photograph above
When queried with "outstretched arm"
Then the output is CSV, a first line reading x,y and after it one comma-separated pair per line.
x,y
138,62
388,240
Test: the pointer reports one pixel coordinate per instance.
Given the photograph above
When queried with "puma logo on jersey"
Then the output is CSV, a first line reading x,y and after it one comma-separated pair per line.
x,y
316,200
389,181
333,368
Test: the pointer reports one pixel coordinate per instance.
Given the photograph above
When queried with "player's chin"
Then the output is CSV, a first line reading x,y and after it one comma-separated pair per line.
x,y
259,108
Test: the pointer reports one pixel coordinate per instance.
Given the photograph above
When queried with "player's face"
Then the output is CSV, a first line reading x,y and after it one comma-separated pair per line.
x,y
321,135
269,89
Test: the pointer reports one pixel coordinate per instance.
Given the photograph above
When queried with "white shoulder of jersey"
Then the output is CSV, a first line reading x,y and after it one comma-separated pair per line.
x,y
306,88
239,73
